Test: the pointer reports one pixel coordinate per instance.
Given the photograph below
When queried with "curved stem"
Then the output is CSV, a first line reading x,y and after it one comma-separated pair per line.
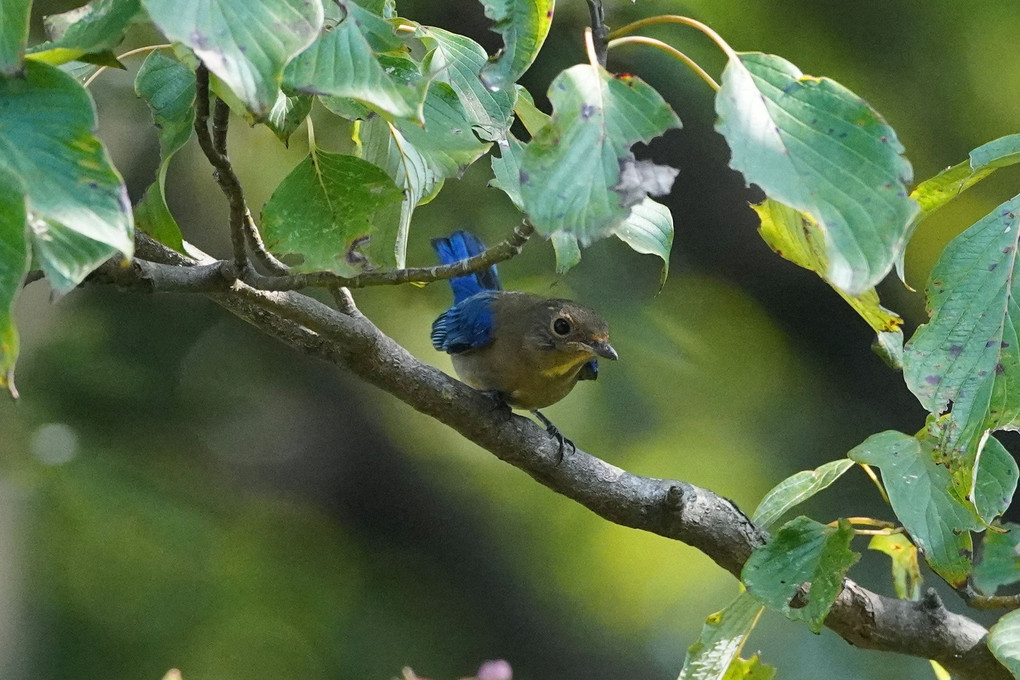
x,y
676,19
589,47
668,49
874,478
129,53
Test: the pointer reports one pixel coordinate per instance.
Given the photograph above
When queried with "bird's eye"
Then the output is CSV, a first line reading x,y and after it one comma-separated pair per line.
x,y
561,326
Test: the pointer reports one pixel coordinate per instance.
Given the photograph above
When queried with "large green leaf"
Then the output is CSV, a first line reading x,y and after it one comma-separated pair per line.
x,y
247,43
968,354
1000,559
420,158
93,28
923,498
65,256
13,34
524,24
343,63
578,174
906,572
14,263
796,236
457,60
815,146
1004,642
47,140
800,571
333,212
796,489
721,639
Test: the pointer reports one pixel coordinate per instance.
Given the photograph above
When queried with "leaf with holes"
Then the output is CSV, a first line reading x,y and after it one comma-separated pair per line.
x,y
722,637
334,213
571,172
796,489
246,43
92,29
923,498
815,146
800,571
524,25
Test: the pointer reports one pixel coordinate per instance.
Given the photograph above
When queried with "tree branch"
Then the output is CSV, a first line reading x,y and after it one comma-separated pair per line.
x,y
670,508
599,31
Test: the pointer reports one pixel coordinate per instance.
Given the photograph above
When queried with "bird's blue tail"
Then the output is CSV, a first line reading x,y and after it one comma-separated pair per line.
x,y
458,246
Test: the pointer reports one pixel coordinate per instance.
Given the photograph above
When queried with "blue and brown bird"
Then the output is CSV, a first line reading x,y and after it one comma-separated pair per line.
x,y
527,351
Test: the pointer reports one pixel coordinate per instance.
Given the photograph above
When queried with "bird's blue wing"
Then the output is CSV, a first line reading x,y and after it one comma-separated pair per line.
x,y
458,246
590,371
466,325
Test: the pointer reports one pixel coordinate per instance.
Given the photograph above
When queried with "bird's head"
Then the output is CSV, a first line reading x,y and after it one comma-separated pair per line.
x,y
571,333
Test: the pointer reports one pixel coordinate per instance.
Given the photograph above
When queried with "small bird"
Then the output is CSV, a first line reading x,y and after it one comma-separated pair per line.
x,y
527,351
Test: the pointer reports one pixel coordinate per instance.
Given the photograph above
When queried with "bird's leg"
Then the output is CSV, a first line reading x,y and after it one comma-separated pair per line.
x,y
554,431
499,402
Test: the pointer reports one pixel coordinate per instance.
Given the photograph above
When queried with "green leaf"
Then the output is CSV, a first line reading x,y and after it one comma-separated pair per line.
x,y
797,237
722,637
995,481
287,115
14,264
1004,641
246,43
577,171
524,24
905,570
457,61
568,251
506,169
65,256
13,34
813,145
749,669
934,193
969,353
342,63
649,230
96,27
923,498
796,489
530,115
800,571
332,211
418,159
47,139
1000,559
168,87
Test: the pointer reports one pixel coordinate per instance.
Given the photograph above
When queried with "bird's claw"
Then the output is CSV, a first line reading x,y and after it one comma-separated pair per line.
x,y
562,441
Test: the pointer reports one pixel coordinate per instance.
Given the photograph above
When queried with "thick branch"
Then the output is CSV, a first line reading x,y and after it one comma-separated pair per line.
x,y
673,509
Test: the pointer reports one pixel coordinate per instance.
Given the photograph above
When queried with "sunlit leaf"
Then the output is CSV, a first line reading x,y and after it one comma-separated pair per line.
x,y
13,34
749,669
796,236
93,28
343,63
524,25
995,481
529,114
649,230
934,193
14,263
1004,641
906,572
813,145
722,637
328,212
922,496
796,489
968,354
287,115
47,140
800,571
571,169
1000,559
246,43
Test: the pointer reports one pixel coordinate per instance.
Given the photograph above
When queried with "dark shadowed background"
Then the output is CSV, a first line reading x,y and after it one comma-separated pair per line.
x,y
178,491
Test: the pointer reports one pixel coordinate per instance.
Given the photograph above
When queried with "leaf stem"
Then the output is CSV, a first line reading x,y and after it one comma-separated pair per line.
x,y
668,49
676,19
129,53
874,478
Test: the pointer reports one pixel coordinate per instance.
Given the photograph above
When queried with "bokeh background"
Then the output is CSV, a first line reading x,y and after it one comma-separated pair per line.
x,y
178,491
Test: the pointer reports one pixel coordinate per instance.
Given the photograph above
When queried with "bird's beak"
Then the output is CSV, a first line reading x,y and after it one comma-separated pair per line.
x,y
603,349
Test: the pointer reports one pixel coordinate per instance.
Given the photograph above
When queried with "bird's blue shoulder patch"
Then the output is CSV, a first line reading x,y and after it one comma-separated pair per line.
x,y
590,371
466,325
458,246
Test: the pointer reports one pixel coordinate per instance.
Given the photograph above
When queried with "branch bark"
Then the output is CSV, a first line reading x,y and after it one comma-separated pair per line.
x,y
670,508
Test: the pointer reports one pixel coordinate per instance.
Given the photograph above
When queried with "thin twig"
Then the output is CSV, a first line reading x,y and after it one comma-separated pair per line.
x,y
258,248
221,121
138,50
669,49
676,19
599,31
978,601
224,171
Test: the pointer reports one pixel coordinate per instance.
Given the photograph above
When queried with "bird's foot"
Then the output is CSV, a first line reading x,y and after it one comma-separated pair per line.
x,y
499,403
555,432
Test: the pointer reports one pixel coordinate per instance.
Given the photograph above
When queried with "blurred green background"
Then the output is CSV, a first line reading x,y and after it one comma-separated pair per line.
x,y
178,491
